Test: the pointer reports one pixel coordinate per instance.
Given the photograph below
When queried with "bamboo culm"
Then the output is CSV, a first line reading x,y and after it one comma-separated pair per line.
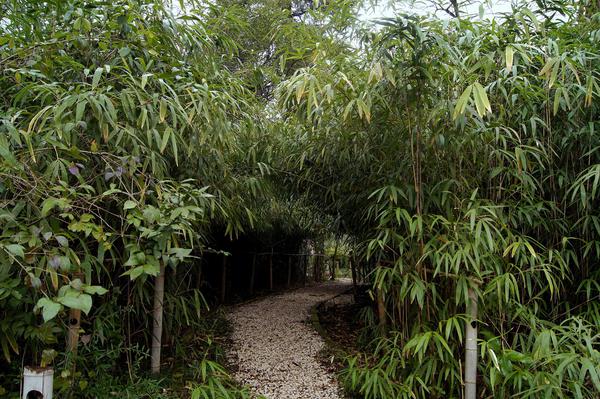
x,y
471,347
159,294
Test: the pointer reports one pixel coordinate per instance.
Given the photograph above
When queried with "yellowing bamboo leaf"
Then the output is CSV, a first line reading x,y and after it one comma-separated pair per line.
x,y
145,79
347,109
299,92
165,139
547,67
162,113
105,132
174,148
556,101
53,278
482,103
376,72
554,74
589,91
509,55
461,104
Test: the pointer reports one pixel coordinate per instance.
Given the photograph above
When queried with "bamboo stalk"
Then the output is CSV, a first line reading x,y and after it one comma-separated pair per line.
x,y
471,348
73,333
159,294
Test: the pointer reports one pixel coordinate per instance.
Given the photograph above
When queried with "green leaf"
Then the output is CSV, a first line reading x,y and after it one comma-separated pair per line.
x,y
15,250
50,203
80,109
5,151
82,302
145,79
129,204
180,253
134,273
151,214
62,241
165,139
97,76
94,290
556,103
49,308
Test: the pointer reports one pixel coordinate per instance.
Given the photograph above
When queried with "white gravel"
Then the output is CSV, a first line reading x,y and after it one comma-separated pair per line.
x,y
276,349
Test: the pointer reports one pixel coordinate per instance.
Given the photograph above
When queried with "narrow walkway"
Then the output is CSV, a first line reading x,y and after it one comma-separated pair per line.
x,y
276,349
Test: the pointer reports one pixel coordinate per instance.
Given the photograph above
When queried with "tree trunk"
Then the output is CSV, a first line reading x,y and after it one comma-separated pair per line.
x,y
224,279
159,295
252,273
471,348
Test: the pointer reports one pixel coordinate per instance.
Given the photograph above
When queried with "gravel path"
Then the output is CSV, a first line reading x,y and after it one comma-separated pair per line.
x,y
276,349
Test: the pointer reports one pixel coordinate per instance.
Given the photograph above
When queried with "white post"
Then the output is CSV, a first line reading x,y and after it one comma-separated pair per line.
x,y
38,381
471,347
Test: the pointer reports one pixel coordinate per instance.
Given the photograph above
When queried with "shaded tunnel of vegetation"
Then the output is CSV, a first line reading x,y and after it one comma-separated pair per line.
x,y
158,159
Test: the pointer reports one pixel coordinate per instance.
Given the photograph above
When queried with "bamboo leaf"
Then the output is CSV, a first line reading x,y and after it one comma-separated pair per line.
x,y
482,102
509,56
461,104
97,76
165,139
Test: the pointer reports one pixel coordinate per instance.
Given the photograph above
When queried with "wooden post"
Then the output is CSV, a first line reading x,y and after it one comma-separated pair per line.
x,y
271,271
471,347
159,294
252,273
224,279
289,275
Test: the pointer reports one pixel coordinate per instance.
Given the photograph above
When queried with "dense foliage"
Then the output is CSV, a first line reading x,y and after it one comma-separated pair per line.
x,y
463,156
457,158
126,145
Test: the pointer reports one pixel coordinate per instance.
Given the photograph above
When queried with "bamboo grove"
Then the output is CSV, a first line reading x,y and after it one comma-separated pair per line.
x,y
457,156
